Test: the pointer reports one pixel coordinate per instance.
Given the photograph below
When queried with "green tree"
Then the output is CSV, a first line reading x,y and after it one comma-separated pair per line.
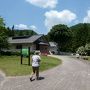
x,y
3,38
24,32
81,35
3,35
13,32
60,34
2,24
81,50
87,48
9,32
88,37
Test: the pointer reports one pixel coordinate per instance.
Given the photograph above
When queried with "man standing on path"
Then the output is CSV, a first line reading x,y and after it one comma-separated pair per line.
x,y
35,66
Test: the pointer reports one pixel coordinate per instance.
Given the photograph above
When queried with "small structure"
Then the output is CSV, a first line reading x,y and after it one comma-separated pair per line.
x,y
25,53
53,49
35,42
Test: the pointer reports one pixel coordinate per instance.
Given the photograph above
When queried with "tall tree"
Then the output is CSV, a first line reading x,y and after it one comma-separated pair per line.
x,y
2,24
13,33
60,34
3,35
81,35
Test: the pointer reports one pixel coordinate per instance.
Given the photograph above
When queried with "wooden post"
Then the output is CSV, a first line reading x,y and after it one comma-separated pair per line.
x,y
29,56
21,56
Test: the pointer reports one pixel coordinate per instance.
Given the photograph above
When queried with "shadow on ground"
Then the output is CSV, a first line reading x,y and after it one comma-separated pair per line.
x,y
40,78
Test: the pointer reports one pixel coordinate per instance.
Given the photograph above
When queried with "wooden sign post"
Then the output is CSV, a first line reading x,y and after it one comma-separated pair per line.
x,y
25,52
29,56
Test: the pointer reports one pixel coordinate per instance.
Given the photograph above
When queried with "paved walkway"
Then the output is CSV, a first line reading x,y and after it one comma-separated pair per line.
x,y
2,77
73,74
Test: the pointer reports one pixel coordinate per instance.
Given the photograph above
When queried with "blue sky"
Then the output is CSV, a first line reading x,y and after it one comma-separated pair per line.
x,y
41,15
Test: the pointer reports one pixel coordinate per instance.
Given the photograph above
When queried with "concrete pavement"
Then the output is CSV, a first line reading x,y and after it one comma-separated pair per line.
x,y
73,74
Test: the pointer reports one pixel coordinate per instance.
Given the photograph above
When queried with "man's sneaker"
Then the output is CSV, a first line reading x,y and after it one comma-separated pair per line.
x,y
31,79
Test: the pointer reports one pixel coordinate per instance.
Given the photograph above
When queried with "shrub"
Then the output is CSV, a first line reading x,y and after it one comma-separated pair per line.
x,y
9,52
81,50
87,48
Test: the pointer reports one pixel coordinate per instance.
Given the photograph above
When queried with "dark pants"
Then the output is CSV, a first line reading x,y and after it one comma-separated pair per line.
x,y
35,71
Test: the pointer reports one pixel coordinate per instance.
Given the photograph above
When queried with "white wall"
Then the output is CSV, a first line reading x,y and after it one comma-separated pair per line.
x,y
53,49
32,47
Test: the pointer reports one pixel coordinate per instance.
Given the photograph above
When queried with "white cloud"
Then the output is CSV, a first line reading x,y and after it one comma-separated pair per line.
x,y
23,26
32,27
54,17
87,18
43,3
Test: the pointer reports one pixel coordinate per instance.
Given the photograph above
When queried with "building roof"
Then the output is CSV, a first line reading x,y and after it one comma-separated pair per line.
x,y
43,43
24,39
53,44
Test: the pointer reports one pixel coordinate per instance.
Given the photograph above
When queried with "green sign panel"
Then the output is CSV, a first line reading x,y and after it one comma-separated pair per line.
x,y
25,52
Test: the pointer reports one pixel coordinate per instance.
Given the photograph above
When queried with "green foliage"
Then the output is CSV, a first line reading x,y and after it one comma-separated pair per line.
x,y
60,34
12,33
84,50
87,48
81,35
81,50
10,53
89,58
2,24
24,33
69,39
3,35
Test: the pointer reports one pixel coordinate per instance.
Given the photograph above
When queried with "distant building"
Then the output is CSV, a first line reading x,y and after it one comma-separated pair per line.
x,y
53,49
35,42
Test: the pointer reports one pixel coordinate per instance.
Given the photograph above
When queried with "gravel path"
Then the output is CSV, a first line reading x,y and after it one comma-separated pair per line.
x,y
73,74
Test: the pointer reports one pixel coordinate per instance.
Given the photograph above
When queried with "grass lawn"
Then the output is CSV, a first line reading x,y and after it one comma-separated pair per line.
x,y
11,66
89,58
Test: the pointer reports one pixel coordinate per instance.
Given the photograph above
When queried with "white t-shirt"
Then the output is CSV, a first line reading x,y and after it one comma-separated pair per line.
x,y
35,60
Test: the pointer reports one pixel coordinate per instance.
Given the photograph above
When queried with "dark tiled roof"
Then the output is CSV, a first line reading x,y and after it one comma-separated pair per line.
x,y
24,40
